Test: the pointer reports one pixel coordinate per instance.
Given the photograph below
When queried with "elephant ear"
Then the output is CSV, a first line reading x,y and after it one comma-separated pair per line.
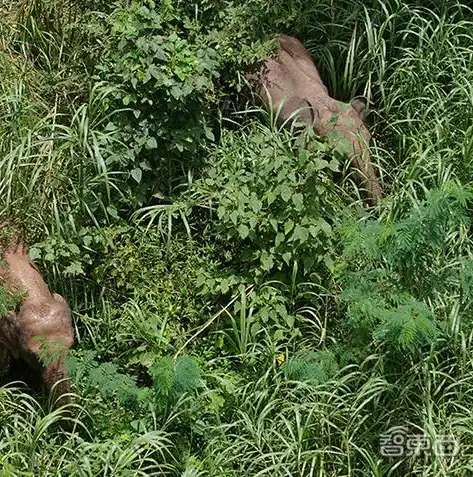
x,y
359,105
59,298
10,333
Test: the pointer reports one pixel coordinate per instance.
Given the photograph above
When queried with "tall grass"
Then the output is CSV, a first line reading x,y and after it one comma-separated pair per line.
x,y
285,428
55,146
51,170
29,445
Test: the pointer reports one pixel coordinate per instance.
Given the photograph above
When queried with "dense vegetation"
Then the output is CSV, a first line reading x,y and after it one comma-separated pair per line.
x,y
237,310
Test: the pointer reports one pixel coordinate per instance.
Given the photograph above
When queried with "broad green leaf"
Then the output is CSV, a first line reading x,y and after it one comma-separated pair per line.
x,y
137,174
298,201
151,143
267,261
300,234
288,226
243,230
280,237
285,193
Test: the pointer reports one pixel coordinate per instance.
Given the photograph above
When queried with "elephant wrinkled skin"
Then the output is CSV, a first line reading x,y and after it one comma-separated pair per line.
x,y
291,84
40,331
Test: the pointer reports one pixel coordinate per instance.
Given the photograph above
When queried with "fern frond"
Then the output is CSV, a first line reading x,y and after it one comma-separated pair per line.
x,y
411,324
312,366
173,377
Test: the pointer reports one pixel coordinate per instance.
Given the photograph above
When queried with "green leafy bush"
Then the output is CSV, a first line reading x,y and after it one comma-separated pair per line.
x,y
164,79
272,196
172,378
274,200
151,291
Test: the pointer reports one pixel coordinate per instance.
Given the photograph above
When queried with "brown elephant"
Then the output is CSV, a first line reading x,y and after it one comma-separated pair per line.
x,y
291,85
39,332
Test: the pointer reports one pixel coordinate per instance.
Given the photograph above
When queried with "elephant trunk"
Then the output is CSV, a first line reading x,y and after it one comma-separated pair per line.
x,y
56,380
366,177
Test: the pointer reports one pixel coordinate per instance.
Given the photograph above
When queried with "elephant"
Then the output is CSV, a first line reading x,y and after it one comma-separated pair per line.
x,y
39,332
291,85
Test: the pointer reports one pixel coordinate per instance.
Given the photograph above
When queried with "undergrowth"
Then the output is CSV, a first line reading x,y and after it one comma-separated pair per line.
x,y
237,310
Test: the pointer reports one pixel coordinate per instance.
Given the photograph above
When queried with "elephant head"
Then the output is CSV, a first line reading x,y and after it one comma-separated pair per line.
x,y
39,331
291,85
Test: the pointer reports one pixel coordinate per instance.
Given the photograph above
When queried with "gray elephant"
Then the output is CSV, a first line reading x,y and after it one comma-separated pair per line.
x,y
291,84
39,332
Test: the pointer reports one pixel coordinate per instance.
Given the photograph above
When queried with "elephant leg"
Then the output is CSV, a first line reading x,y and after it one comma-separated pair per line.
x,y
10,332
